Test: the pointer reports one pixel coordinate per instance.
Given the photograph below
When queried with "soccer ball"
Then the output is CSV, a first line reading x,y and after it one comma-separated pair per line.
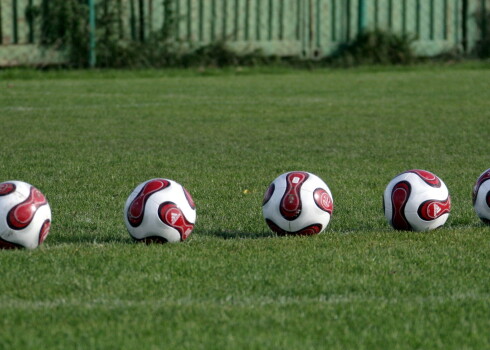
x,y
416,200
160,210
297,203
25,216
481,196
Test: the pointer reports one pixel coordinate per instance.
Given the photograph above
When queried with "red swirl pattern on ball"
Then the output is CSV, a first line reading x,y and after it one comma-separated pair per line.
x,y
399,197
136,210
306,231
290,206
268,194
172,216
43,233
483,177
8,245
189,198
323,200
309,230
433,209
20,216
6,188
427,176
488,198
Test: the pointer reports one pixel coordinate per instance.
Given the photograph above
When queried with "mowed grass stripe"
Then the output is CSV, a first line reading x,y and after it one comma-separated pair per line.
x,y
87,139
279,300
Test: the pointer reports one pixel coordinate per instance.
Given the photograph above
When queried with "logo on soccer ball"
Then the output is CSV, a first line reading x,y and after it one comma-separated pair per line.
x,y
160,210
297,203
430,210
481,196
27,216
171,215
323,200
416,200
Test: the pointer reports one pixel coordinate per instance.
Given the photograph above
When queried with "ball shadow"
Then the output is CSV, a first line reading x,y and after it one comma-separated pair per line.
x,y
229,234
86,238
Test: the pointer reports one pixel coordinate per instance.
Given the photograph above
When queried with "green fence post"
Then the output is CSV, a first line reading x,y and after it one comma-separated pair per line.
x,y
361,19
484,24
92,57
1,25
15,23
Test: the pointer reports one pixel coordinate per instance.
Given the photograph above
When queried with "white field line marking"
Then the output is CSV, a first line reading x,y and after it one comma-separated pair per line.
x,y
102,303
82,107
210,100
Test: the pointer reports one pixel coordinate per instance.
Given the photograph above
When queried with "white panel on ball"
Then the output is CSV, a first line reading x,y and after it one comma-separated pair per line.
x,y
25,216
481,196
160,210
297,203
416,200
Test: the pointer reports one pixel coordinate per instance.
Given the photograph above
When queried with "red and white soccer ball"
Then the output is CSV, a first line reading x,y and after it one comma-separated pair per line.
x,y
297,203
25,216
160,210
416,200
481,196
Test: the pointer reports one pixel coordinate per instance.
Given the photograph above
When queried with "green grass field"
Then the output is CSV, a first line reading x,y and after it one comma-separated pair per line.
x,y
86,139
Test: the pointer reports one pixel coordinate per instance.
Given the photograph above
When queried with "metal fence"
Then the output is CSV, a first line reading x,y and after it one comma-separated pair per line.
x,y
303,28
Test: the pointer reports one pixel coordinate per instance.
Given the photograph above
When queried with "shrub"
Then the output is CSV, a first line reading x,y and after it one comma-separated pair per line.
x,y
63,25
376,47
482,48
